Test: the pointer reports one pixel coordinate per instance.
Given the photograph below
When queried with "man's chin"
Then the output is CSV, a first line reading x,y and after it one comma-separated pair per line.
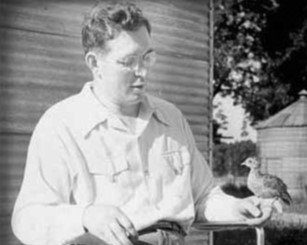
x,y
133,99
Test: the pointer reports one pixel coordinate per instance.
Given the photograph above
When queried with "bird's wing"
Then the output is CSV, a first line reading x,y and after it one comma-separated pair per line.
x,y
268,192
275,187
273,182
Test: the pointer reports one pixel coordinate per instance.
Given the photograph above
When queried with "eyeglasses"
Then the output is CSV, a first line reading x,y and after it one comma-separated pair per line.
x,y
132,62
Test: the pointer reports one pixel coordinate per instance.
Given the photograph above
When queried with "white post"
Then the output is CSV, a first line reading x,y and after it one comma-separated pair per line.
x,y
260,235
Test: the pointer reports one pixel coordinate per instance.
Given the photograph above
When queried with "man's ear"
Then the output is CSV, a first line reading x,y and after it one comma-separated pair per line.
x,y
91,60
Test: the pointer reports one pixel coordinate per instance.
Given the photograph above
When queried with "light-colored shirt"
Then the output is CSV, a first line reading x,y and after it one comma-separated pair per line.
x,y
82,154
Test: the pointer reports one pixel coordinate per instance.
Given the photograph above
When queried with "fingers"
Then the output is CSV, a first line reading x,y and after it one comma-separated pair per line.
x,y
255,200
110,224
254,211
127,225
119,234
109,237
249,208
266,215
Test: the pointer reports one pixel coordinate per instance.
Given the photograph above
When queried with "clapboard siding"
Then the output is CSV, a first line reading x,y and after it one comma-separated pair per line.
x,y
178,28
12,157
282,141
42,63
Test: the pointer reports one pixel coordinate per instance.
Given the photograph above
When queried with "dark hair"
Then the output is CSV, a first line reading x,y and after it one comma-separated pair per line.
x,y
104,23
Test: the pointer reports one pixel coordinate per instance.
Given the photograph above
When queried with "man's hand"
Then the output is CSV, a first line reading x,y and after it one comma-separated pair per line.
x,y
253,210
110,224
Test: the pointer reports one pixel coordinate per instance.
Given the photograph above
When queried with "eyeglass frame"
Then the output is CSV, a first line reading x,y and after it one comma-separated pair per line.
x,y
134,67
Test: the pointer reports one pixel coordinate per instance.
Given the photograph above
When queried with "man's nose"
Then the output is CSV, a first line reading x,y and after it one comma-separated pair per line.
x,y
140,70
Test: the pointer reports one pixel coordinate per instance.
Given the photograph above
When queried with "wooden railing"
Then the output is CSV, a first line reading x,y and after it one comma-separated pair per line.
x,y
220,226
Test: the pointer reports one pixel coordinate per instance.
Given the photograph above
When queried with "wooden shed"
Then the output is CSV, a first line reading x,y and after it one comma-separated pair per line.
x,y
42,62
282,141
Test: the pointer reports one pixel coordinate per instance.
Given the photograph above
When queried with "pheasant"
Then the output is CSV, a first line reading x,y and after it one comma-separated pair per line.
x,y
266,186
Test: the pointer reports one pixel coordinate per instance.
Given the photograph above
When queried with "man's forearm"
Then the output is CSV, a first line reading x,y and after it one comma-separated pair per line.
x,y
37,224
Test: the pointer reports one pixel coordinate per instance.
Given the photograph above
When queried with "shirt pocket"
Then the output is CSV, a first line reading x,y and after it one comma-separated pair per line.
x,y
112,180
111,167
176,161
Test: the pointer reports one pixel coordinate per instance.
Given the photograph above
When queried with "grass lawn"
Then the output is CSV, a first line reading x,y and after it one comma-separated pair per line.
x,y
273,236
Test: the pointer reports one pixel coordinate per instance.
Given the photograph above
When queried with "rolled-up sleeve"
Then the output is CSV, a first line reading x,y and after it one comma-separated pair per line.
x,y
43,213
211,203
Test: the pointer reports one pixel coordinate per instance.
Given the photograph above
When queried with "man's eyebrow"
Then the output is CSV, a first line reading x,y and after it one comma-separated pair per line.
x,y
149,51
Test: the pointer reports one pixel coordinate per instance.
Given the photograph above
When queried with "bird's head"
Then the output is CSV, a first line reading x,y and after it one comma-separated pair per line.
x,y
251,162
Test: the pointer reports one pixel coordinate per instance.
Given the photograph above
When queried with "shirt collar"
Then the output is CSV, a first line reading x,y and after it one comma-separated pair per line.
x,y
94,113
157,112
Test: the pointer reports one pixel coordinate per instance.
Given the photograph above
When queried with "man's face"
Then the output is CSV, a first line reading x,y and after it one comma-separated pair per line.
x,y
123,68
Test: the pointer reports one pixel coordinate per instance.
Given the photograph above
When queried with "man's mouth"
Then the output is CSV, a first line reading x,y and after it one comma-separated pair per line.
x,y
138,86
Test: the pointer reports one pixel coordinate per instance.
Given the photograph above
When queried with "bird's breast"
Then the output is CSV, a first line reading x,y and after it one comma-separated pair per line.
x,y
255,184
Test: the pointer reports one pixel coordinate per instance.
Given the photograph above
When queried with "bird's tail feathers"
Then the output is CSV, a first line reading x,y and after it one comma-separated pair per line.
x,y
285,196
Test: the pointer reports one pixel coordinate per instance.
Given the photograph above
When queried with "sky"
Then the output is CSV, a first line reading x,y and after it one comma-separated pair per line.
x,y
235,118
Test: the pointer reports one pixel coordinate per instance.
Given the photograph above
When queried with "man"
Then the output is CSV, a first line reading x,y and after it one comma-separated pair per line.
x,y
113,161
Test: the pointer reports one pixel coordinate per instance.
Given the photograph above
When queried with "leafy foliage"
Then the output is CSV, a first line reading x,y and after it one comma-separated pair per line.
x,y
219,122
228,157
260,53
241,191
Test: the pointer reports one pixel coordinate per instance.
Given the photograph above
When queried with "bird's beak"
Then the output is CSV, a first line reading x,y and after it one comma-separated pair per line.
x,y
243,164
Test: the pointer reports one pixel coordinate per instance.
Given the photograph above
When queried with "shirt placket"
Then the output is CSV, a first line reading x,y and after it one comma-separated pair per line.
x,y
144,168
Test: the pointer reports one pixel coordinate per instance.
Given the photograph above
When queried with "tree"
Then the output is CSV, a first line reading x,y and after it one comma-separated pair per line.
x,y
285,39
228,157
260,53
219,122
